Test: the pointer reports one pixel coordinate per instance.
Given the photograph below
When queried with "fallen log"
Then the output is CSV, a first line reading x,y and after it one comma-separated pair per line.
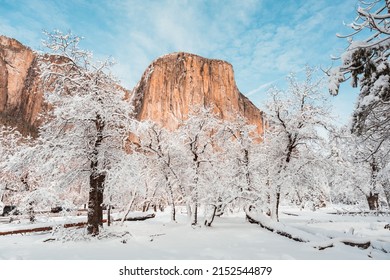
x,y
140,218
39,229
363,213
21,231
70,225
252,220
280,229
363,245
324,247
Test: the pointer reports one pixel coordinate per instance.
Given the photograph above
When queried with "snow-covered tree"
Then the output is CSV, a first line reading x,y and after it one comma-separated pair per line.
x,y
366,63
198,136
11,142
384,175
235,164
359,173
125,184
297,119
163,161
205,162
241,147
88,126
21,184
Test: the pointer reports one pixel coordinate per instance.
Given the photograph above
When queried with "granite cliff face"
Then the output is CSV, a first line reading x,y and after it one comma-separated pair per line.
x,y
169,88
176,82
20,88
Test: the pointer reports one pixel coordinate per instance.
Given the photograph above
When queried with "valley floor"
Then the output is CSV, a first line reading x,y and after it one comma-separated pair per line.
x,y
230,237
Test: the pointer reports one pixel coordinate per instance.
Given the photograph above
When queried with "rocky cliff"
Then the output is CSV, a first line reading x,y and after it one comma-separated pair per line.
x,y
20,88
175,83
169,88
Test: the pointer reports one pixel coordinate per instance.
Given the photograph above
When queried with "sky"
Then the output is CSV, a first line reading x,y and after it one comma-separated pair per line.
x,y
264,40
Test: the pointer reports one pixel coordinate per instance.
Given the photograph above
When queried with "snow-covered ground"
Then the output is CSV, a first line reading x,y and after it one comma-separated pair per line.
x,y
230,237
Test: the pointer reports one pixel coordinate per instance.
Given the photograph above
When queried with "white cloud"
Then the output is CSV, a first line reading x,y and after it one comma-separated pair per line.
x,y
152,29
261,88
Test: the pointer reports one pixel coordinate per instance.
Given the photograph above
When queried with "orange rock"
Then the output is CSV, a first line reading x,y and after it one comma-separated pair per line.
x,y
169,88
20,93
176,82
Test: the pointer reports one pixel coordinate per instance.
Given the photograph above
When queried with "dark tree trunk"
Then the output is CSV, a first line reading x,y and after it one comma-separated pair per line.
x,y
31,213
194,210
95,211
109,215
283,166
30,207
269,208
208,222
247,175
386,190
96,184
373,197
195,215
173,212
172,199
277,206
220,208
100,198
372,200
196,161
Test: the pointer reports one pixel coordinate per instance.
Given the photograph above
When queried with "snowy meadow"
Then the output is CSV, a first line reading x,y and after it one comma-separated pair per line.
x,y
230,237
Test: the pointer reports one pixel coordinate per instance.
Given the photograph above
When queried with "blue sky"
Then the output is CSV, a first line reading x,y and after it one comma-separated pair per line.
x,y
264,40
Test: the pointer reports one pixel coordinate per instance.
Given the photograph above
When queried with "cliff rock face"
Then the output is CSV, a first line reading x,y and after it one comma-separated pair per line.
x,y
176,82
20,91
169,88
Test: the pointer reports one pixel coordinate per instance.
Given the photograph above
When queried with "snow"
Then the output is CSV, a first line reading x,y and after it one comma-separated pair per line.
x,y
230,237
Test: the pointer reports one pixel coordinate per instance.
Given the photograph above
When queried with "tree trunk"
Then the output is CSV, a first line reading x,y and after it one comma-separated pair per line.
x,y
95,211
274,211
277,205
96,184
210,220
30,211
172,199
173,213
128,209
386,190
189,210
194,221
145,206
100,200
372,200
109,215
220,208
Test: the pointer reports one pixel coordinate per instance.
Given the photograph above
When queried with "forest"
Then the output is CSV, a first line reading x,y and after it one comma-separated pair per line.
x,y
95,165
